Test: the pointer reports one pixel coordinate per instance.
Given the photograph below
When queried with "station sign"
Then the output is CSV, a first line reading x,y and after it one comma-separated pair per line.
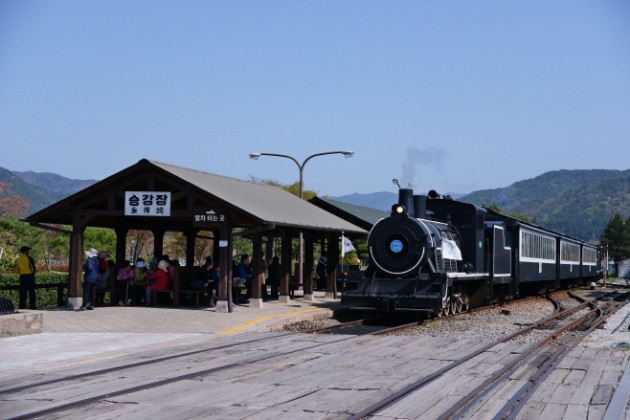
x,y
209,218
148,203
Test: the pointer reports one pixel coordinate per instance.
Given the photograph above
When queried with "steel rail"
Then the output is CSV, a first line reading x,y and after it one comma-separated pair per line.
x,y
513,407
477,394
482,390
390,399
63,405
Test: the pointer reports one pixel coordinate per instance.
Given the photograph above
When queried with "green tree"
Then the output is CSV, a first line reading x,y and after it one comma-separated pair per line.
x,y
616,236
16,234
102,239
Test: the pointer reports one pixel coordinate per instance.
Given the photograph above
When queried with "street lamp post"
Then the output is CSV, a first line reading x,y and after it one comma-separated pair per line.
x,y
345,153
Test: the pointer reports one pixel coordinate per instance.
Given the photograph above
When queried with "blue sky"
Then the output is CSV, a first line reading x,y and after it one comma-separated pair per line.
x,y
449,95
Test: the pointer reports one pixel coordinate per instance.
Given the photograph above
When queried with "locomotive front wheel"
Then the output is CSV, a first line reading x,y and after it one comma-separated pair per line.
x,y
456,305
446,305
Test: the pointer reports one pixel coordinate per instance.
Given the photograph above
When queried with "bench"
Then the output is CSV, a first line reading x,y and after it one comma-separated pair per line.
x,y
154,295
182,286
197,293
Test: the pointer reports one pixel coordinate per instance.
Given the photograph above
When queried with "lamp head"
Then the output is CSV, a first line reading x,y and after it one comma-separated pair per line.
x,y
347,153
254,156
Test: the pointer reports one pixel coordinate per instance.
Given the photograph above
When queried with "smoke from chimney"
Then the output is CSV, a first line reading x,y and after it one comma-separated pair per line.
x,y
415,158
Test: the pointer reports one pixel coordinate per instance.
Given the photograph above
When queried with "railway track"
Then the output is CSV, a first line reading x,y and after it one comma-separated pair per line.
x,y
124,385
92,379
95,394
546,353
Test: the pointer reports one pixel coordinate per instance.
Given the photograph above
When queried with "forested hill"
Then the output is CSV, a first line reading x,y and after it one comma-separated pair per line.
x,y
28,197
36,189
579,203
55,183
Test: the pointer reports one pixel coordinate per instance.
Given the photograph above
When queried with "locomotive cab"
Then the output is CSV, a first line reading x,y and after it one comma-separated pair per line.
x,y
469,221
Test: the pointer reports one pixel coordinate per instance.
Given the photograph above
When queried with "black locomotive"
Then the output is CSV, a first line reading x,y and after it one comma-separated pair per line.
x,y
443,256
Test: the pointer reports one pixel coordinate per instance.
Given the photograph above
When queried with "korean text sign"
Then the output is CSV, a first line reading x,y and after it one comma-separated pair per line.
x,y
147,203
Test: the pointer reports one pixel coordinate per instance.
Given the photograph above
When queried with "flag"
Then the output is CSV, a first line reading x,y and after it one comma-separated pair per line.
x,y
346,245
450,250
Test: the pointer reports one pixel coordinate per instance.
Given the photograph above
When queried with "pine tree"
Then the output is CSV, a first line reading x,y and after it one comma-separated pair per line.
x,y
617,237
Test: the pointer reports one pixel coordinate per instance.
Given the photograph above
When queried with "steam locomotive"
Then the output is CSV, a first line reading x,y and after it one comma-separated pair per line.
x,y
441,256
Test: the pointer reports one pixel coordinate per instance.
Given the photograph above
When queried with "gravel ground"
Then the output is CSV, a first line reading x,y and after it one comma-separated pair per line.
x,y
614,333
494,324
487,325
498,322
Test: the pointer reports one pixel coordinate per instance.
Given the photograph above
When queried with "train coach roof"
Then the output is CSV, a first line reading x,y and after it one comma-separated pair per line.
x,y
249,204
503,217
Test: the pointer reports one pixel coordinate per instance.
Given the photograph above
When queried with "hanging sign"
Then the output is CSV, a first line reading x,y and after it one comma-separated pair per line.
x,y
208,218
147,203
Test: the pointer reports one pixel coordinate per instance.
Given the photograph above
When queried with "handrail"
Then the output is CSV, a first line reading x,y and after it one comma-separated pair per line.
x,y
59,286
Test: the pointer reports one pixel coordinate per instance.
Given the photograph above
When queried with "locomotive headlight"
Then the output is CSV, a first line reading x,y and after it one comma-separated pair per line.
x,y
398,209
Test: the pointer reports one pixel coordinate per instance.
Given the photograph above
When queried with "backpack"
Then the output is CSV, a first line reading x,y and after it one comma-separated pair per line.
x,y
92,274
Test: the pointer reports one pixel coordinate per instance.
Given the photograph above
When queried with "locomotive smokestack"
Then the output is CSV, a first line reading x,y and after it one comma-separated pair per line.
x,y
420,206
405,198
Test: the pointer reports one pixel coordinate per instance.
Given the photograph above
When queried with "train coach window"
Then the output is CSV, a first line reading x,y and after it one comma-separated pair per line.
x,y
590,255
537,247
569,252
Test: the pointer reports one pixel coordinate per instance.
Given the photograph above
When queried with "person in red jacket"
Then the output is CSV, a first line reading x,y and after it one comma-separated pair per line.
x,y
157,281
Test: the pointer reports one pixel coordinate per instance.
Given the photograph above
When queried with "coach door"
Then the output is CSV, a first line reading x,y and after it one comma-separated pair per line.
x,y
502,259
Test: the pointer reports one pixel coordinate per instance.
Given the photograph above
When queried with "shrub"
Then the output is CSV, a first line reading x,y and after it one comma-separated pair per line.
x,y
45,297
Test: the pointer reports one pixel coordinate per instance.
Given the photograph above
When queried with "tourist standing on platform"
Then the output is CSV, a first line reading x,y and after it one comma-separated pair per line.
x,y
322,275
25,267
101,286
107,279
274,272
124,278
91,278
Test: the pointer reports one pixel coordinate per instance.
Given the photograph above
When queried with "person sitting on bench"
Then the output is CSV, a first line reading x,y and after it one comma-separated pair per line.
x,y
157,281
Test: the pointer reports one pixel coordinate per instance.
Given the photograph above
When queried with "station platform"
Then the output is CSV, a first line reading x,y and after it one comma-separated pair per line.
x,y
109,330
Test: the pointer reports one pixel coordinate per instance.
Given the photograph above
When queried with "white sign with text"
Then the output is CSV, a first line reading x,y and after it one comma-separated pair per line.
x,y
148,203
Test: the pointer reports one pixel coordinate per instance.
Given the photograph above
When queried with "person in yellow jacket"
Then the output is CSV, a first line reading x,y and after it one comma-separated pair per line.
x,y
25,267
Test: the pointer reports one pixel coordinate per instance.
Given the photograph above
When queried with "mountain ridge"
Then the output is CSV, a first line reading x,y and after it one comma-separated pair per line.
x,y
578,203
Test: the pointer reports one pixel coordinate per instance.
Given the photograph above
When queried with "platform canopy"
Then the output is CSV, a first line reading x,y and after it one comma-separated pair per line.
x,y
161,197
194,196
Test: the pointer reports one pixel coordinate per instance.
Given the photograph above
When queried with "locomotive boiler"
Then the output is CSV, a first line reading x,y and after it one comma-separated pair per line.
x,y
441,256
